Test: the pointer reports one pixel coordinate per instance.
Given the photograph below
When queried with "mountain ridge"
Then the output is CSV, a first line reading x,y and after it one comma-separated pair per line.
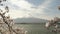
x,y
30,20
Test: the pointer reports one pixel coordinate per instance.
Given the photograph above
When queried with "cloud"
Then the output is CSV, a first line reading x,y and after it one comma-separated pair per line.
x,y
26,10
41,10
36,2
22,4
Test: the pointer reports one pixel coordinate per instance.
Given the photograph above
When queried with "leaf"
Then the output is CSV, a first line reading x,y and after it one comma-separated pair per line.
x,y
4,0
0,1
59,7
1,4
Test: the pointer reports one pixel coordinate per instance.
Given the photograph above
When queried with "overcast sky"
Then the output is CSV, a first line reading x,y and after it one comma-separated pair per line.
x,y
45,9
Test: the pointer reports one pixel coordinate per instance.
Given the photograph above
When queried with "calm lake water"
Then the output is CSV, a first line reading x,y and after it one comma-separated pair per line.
x,y
35,28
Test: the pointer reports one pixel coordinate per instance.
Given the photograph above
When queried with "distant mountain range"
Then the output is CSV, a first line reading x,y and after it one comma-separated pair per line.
x,y
30,20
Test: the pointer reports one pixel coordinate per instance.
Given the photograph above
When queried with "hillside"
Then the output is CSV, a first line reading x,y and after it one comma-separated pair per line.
x,y
30,20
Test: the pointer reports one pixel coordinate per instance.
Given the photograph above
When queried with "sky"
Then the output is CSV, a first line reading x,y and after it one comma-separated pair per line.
x,y
44,9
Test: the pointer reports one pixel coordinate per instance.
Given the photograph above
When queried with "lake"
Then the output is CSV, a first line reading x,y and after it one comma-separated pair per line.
x,y
35,28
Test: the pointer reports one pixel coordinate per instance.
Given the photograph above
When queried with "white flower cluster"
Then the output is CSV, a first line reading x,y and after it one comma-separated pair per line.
x,y
6,23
